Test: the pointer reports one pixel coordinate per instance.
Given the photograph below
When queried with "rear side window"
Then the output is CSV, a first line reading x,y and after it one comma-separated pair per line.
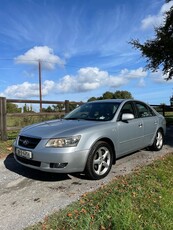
x,y
144,110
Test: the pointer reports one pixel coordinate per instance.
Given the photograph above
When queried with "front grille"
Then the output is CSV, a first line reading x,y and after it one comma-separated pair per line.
x,y
28,162
28,142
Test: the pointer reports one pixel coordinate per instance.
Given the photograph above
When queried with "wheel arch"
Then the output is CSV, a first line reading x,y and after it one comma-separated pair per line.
x,y
162,130
158,129
107,140
153,146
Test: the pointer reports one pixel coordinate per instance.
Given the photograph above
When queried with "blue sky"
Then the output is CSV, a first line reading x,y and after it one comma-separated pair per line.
x,y
83,48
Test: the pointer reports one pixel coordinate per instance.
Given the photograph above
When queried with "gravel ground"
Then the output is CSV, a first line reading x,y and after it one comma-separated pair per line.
x,y
27,196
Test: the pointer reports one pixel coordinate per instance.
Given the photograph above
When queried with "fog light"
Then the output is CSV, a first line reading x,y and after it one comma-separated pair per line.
x,y
58,165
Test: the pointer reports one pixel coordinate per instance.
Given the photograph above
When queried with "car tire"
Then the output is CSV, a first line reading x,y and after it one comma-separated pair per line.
x,y
158,141
99,161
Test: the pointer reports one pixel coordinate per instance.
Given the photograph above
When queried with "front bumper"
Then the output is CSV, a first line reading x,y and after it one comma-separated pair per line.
x,y
57,160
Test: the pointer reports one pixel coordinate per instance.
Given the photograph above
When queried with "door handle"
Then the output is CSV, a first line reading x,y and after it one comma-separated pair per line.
x,y
140,125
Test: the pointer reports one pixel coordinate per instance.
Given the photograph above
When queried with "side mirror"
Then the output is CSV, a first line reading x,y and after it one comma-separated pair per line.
x,y
127,116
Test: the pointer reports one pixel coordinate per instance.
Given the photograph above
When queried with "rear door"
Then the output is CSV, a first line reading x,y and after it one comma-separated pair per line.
x,y
149,120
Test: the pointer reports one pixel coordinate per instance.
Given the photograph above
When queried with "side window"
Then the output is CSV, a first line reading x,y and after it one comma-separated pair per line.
x,y
144,110
127,108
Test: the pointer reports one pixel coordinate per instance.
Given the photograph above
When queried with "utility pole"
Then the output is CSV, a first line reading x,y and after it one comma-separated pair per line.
x,y
40,86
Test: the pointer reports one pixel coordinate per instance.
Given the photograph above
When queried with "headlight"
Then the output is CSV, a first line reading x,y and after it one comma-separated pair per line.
x,y
63,142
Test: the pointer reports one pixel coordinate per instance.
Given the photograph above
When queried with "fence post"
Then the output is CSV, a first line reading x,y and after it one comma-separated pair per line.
x,y
3,124
163,107
66,106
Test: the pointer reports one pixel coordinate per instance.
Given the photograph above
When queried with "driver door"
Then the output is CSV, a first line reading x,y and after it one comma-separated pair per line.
x,y
130,132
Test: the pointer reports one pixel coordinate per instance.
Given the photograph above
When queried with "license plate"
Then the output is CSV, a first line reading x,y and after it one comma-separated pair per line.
x,y
24,153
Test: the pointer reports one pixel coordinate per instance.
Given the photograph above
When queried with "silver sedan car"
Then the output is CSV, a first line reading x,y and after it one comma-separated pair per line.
x,y
90,138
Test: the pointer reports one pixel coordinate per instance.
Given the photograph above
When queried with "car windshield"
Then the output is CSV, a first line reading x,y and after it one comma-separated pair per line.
x,y
94,111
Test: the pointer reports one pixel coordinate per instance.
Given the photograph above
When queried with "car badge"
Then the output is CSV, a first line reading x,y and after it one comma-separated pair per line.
x,y
25,142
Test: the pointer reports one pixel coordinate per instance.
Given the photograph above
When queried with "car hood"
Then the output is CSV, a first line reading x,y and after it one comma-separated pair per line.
x,y
58,128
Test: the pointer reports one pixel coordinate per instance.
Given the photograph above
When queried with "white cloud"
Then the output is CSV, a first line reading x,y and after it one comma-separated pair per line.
x,y
92,78
27,90
136,73
158,77
141,83
156,20
47,87
42,53
86,79
115,82
66,84
91,73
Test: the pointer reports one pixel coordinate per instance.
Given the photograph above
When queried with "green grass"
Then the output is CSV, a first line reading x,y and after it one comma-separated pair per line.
x,y
28,120
169,118
5,148
142,200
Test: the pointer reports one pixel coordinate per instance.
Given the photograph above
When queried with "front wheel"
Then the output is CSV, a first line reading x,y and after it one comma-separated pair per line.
x,y
158,141
99,161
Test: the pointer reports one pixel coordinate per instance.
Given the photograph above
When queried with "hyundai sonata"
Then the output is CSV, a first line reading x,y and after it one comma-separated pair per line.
x,y
91,137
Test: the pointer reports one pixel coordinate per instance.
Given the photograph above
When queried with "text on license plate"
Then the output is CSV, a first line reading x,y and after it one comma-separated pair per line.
x,y
24,153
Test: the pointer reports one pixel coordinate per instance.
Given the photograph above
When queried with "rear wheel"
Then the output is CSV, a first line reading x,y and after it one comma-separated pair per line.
x,y
99,161
158,141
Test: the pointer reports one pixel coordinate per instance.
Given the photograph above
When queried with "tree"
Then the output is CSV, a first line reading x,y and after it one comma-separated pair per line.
x,y
123,94
92,99
117,94
27,109
13,108
58,107
159,51
108,95
48,109
72,106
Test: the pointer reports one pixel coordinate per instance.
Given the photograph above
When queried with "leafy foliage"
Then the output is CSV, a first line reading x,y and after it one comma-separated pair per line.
x,y
59,108
27,109
48,109
159,51
109,95
13,108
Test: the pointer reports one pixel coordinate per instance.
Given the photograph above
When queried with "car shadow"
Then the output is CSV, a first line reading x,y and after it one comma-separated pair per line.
x,y
12,165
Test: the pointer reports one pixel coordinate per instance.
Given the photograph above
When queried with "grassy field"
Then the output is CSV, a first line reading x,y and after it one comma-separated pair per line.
x,y
21,121
169,118
142,200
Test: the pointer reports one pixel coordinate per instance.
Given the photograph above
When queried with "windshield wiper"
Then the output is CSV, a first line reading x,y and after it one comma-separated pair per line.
x,y
72,118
